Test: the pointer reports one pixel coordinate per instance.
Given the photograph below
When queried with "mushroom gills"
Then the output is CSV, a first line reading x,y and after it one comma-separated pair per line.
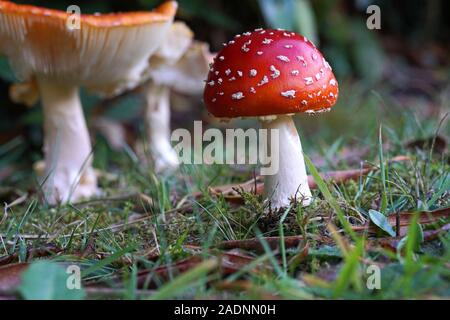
x,y
290,181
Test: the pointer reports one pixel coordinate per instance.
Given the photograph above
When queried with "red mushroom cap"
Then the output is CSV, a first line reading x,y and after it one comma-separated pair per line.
x,y
269,72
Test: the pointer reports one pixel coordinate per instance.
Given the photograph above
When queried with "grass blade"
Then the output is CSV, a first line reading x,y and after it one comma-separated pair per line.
x,y
185,281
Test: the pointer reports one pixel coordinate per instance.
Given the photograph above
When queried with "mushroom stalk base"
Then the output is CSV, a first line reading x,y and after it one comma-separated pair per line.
x,y
163,156
68,175
291,180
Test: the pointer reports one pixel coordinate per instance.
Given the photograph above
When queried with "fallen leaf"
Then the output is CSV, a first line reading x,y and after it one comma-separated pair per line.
x,y
392,243
405,218
229,262
40,252
10,276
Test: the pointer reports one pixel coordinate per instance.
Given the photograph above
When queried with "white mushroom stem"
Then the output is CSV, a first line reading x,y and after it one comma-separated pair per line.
x,y
157,116
69,175
291,180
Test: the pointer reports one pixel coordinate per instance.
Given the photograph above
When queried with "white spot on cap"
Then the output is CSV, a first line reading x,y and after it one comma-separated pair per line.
x,y
275,72
259,29
217,73
240,74
221,58
231,42
287,34
304,102
247,34
289,94
252,90
259,53
318,76
314,56
253,73
295,72
245,47
211,83
232,79
283,58
237,96
221,93
333,82
289,46
267,41
263,81
214,100
228,72
302,59
309,81
219,81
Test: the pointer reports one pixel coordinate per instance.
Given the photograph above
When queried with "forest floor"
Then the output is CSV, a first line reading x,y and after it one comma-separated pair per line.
x,y
379,231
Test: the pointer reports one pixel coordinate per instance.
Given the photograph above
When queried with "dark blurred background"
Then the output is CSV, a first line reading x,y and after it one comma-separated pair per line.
x,y
405,64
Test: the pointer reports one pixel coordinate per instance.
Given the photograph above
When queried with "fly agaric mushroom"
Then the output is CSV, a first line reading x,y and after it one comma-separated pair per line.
x,y
180,64
273,74
107,54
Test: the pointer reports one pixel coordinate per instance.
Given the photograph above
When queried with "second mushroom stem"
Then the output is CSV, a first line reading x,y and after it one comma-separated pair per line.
x,y
291,180
157,118
69,174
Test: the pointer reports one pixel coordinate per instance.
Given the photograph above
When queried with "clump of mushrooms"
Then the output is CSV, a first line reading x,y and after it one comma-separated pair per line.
x,y
180,64
107,54
273,74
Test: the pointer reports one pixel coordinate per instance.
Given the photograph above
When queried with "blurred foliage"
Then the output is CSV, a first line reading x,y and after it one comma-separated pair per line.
x,y
5,71
338,27
295,15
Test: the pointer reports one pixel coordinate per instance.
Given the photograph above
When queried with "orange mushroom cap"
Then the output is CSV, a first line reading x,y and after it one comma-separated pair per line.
x,y
107,54
164,12
269,72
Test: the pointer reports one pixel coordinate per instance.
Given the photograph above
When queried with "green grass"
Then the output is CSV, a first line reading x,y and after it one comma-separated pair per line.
x,y
119,236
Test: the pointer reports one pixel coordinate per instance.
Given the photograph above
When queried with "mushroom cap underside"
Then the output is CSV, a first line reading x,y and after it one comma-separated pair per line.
x,y
188,74
107,54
